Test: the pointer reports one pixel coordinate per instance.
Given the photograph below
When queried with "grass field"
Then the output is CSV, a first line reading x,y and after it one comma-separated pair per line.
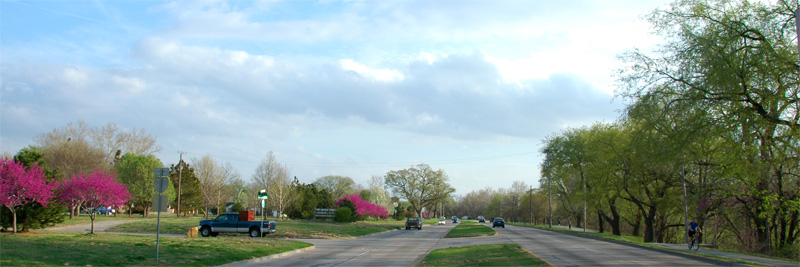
x,y
482,255
286,228
470,229
72,249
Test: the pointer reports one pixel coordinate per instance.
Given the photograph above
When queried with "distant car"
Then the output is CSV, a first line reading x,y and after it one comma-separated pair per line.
x,y
481,220
441,222
455,220
106,211
498,222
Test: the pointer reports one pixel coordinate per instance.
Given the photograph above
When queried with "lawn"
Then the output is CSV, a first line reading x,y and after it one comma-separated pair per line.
x,y
286,228
72,249
482,255
470,229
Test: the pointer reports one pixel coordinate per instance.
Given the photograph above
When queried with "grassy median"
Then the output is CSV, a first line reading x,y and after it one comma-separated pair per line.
x,y
470,229
71,249
482,255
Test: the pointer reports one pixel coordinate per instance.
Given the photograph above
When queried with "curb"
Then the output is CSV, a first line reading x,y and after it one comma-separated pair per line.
x,y
265,258
699,257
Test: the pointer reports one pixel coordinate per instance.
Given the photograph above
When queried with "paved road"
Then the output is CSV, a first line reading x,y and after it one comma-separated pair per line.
x,y
394,248
567,250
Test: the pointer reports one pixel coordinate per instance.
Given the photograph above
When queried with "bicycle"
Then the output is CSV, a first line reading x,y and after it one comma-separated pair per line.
x,y
695,242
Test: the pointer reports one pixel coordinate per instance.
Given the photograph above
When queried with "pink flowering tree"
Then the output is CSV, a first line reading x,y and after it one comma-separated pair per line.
x,y
363,207
98,189
19,186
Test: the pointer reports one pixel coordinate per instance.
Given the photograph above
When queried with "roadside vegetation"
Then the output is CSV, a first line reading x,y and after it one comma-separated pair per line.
x,y
470,229
482,255
71,249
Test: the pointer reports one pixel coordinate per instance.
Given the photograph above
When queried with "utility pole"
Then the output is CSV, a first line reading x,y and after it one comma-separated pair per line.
x,y
180,172
530,202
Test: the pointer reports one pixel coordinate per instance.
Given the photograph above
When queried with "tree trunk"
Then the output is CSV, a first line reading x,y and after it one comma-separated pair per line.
x,y
649,225
92,216
14,212
600,221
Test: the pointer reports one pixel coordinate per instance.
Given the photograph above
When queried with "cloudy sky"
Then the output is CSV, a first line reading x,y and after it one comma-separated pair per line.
x,y
350,88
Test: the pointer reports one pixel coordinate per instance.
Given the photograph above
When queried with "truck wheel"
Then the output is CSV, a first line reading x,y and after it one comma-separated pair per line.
x,y
254,232
205,231
407,228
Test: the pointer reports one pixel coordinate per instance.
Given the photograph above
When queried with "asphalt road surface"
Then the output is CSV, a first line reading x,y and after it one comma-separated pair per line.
x,y
408,247
568,250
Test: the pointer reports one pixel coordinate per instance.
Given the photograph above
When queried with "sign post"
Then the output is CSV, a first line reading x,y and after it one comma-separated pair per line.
x,y
161,184
263,197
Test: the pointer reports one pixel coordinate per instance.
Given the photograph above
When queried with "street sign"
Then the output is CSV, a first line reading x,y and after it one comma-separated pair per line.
x,y
262,203
262,195
164,202
161,172
161,184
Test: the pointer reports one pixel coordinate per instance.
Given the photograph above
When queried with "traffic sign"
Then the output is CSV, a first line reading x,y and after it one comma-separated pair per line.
x,y
161,172
161,184
160,200
262,195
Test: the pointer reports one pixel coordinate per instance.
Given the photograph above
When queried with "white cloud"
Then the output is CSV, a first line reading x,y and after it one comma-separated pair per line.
x,y
382,75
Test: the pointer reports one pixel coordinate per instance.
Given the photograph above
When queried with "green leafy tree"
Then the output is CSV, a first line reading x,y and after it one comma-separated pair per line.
x,y
137,173
420,185
738,60
191,199
338,186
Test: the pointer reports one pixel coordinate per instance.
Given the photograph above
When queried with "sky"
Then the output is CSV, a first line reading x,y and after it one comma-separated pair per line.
x,y
350,88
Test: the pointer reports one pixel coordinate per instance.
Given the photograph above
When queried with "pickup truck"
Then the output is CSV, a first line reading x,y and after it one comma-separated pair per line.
x,y
413,222
229,223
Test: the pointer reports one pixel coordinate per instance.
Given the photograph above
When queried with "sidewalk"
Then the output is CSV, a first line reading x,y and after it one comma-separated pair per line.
x,y
682,248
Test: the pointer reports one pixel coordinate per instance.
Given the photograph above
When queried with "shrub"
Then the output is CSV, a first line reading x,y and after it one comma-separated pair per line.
x,y
343,214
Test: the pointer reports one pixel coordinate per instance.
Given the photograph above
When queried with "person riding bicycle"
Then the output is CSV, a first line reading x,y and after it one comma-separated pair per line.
x,y
694,227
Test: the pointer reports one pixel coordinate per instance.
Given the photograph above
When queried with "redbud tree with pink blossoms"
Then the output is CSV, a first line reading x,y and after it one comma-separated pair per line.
x,y
363,207
97,189
20,186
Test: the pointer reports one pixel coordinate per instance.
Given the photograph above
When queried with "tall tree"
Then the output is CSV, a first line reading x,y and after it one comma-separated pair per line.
x,y
214,178
274,178
137,173
737,59
420,185
190,196
337,185
19,186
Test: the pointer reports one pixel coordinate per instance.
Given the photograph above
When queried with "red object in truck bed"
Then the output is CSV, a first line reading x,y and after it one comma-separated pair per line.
x,y
247,216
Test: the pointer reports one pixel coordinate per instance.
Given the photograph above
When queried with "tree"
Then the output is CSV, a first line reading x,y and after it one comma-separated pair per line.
x,y
190,196
71,150
137,173
337,185
19,186
738,60
273,177
363,207
420,185
214,178
97,189
34,215
308,197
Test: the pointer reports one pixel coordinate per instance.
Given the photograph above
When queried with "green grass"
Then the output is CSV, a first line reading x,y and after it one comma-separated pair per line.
x,y
84,219
285,228
70,249
470,229
482,255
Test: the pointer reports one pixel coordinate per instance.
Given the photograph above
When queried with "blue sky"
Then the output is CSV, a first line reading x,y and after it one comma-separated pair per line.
x,y
351,88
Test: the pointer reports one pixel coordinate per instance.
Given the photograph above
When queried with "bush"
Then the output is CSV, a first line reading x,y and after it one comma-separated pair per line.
x,y
343,214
